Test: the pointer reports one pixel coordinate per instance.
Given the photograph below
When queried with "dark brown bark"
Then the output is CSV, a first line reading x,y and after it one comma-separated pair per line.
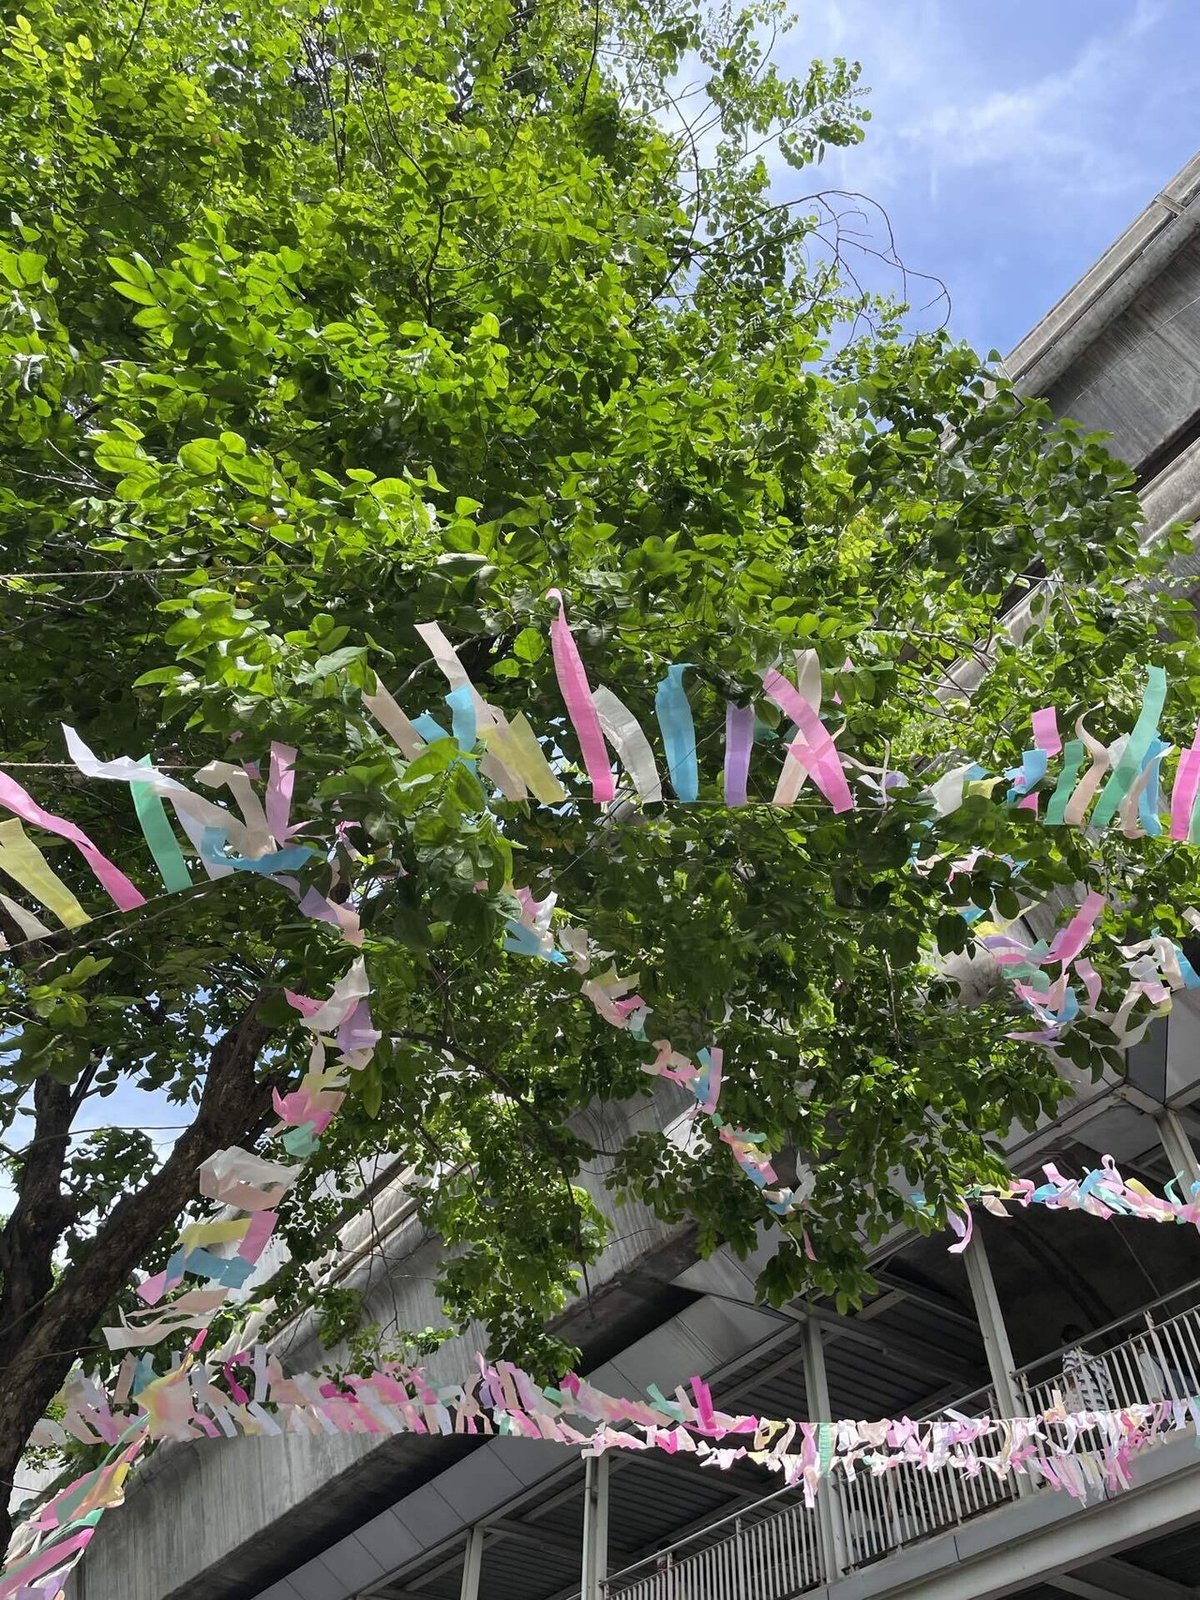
x,y
45,1326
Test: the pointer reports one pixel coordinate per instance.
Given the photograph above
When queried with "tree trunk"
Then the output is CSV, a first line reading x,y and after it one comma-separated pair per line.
x,y
45,1327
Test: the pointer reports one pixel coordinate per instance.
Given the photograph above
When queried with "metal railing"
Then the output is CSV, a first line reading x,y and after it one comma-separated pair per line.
x,y
1152,1355
766,1553
770,1552
907,1504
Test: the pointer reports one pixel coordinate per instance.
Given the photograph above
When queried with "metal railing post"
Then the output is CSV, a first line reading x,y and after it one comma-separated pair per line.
x,y
831,1528
594,1584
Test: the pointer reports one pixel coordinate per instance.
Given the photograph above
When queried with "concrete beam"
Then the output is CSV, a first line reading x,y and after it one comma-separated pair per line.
x,y
1100,296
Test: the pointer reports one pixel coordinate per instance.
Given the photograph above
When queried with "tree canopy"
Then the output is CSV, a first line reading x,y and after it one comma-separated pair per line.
x,y
321,321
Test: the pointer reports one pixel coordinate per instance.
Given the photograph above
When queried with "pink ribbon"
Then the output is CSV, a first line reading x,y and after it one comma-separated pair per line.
x,y
120,890
739,739
1183,796
577,695
1078,931
280,785
818,754
1045,731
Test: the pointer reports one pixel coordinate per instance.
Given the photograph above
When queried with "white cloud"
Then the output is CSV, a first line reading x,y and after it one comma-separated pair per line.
x,y
941,106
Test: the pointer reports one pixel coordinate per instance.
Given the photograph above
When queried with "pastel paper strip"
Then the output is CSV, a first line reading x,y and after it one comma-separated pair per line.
x,y
25,920
194,811
21,859
1183,795
118,887
739,742
517,746
821,756
430,728
1077,807
679,733
462,712
1071,941
314,904
624,732
947,792
266,866
160,836
486,717
1134,754
394,722
577,696
281,784
1146,792
221,774
1045,731
1074,754
793,775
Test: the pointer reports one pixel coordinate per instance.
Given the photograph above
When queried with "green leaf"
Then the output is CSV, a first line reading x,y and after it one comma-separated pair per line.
x,y
529,645
137,292
201,457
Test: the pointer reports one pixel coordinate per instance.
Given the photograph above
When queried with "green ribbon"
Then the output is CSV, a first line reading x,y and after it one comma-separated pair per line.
x,y
1126,771
1074,754
825,1447
160,836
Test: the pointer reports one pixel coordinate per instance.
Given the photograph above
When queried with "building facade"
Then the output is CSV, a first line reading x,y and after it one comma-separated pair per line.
x,y
411,1518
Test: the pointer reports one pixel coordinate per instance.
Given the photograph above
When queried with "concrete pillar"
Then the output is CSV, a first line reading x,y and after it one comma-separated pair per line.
x,y
1001,1365
472,1565
829,1506
1180,1150
595,1528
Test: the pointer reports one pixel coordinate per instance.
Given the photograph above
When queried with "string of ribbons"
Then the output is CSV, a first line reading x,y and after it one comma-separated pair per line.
x,y
260,839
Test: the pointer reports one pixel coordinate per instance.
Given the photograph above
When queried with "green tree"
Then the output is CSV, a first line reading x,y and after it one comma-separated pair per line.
x,y
319,321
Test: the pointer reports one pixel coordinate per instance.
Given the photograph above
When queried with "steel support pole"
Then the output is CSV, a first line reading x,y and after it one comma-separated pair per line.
x,y
595,1528
1180,1150
472,1565
830,1524
1001,1365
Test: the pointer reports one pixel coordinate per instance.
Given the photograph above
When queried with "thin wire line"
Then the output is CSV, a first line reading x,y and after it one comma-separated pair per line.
x,y
69,766
122,573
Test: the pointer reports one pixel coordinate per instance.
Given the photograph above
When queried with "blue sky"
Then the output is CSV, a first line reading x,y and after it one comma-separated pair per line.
x,y
1010,142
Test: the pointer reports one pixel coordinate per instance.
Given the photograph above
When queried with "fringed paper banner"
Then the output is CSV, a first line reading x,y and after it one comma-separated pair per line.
x,y
258,842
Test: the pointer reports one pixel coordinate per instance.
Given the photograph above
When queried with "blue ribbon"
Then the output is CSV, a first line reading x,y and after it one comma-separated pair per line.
x,y
462,710
678,731
429,728
1148,801
290,860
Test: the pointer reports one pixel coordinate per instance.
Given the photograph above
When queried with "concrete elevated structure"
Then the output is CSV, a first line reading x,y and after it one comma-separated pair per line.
x,y
421,1519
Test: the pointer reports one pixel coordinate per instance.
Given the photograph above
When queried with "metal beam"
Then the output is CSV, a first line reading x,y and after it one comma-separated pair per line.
x,y
991,1325
472,1565
1118,1580
920,1295
595,1529
1181,1153
830,1526
528,1533
902,1349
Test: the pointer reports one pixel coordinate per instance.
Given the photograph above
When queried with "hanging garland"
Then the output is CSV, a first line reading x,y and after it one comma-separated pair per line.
x,y
189,1401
